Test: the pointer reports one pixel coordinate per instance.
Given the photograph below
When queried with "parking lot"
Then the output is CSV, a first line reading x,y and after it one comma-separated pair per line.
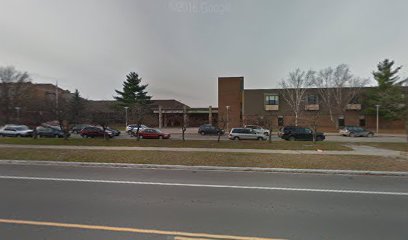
x,y
192,134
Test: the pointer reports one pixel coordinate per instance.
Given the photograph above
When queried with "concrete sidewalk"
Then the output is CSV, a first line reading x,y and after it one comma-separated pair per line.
x,y
357,150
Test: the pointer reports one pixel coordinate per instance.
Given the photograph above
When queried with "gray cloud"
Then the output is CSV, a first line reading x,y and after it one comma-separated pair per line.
x,y
180,47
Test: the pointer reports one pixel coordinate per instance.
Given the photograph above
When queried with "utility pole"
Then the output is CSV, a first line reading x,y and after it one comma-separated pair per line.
x,y
378,110
228,108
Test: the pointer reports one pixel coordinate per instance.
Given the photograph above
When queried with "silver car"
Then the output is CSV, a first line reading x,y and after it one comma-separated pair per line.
x,y
16,131
258,129
245,134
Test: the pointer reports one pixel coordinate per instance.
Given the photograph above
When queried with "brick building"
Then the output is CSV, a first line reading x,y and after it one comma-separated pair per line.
x,y
239,106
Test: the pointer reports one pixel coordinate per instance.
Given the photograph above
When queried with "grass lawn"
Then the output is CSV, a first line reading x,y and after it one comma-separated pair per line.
x,y
282,145
212,159
388,145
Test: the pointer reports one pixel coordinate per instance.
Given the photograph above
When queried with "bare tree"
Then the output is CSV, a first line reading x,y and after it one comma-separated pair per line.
x,y
338,88
139,113
314,123
12,86
268,122
221,125
184,123
102,119
294,88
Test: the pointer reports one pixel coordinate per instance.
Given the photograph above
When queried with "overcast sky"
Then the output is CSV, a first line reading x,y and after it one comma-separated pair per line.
x,y
180,47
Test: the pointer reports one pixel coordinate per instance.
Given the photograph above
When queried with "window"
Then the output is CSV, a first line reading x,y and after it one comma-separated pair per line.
x,y
312,99
280,121
272,100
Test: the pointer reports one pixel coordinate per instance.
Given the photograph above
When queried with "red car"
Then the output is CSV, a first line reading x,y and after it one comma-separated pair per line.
x,y
153,133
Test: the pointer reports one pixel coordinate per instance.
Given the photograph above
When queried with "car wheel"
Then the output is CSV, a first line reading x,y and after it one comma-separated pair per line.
x,y
18,135
370,135
260,139
266,133
292,139
319,138
160,137
352,135
235,138
202,133
140,137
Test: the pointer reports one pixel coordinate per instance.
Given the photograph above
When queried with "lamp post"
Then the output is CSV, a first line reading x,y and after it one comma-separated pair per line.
x,y
228,108
378,110
18,114
126,117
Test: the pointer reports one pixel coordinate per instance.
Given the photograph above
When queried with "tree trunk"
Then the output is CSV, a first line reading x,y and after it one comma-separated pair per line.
x,y
137,133
296,119
183,130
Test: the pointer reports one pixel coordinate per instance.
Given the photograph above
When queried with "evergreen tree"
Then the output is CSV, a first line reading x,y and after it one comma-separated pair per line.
x,y
388,93
133,93
76,106
134,96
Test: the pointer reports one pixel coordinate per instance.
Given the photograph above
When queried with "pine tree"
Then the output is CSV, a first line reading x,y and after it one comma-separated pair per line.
x,y
76,107
134,96
387,94
133,93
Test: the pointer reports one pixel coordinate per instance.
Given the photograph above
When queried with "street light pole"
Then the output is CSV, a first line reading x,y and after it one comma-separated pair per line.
x,y
378,109
126,117
228,107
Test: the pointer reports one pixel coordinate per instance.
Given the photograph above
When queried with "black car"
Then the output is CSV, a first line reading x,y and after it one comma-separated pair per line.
x,y
49,132
292,133
210,129
95,132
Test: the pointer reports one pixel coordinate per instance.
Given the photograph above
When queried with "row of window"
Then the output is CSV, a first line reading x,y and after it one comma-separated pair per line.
x,y
310,99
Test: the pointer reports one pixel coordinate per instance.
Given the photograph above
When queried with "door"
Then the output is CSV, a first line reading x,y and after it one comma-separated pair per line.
x,y
308,134
10,132
250,134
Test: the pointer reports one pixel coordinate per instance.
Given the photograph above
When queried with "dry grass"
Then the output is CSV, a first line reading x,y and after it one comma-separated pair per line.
x,y
388,145
212,159
281,145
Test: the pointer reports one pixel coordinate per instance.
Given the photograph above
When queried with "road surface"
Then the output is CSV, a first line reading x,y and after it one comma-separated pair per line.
x,y
56,202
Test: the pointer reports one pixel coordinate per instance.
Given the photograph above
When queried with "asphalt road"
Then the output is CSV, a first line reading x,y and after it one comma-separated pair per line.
x,y
42,202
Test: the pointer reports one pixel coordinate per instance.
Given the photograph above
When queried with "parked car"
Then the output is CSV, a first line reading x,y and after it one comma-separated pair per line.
x,y
94,132
245,134
114,132
258,129
78,127
210,129
300,133
354,131
153,133
49,132
16,131
132,128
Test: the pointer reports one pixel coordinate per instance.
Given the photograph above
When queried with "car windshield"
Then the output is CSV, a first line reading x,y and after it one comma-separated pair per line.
x,y
22,128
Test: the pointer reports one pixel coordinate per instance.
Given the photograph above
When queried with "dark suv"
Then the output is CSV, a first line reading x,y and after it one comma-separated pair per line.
x,y
50,132
292,133
94,132
209,129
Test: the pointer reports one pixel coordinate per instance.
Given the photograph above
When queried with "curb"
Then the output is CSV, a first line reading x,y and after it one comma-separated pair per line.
x,y
202,168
